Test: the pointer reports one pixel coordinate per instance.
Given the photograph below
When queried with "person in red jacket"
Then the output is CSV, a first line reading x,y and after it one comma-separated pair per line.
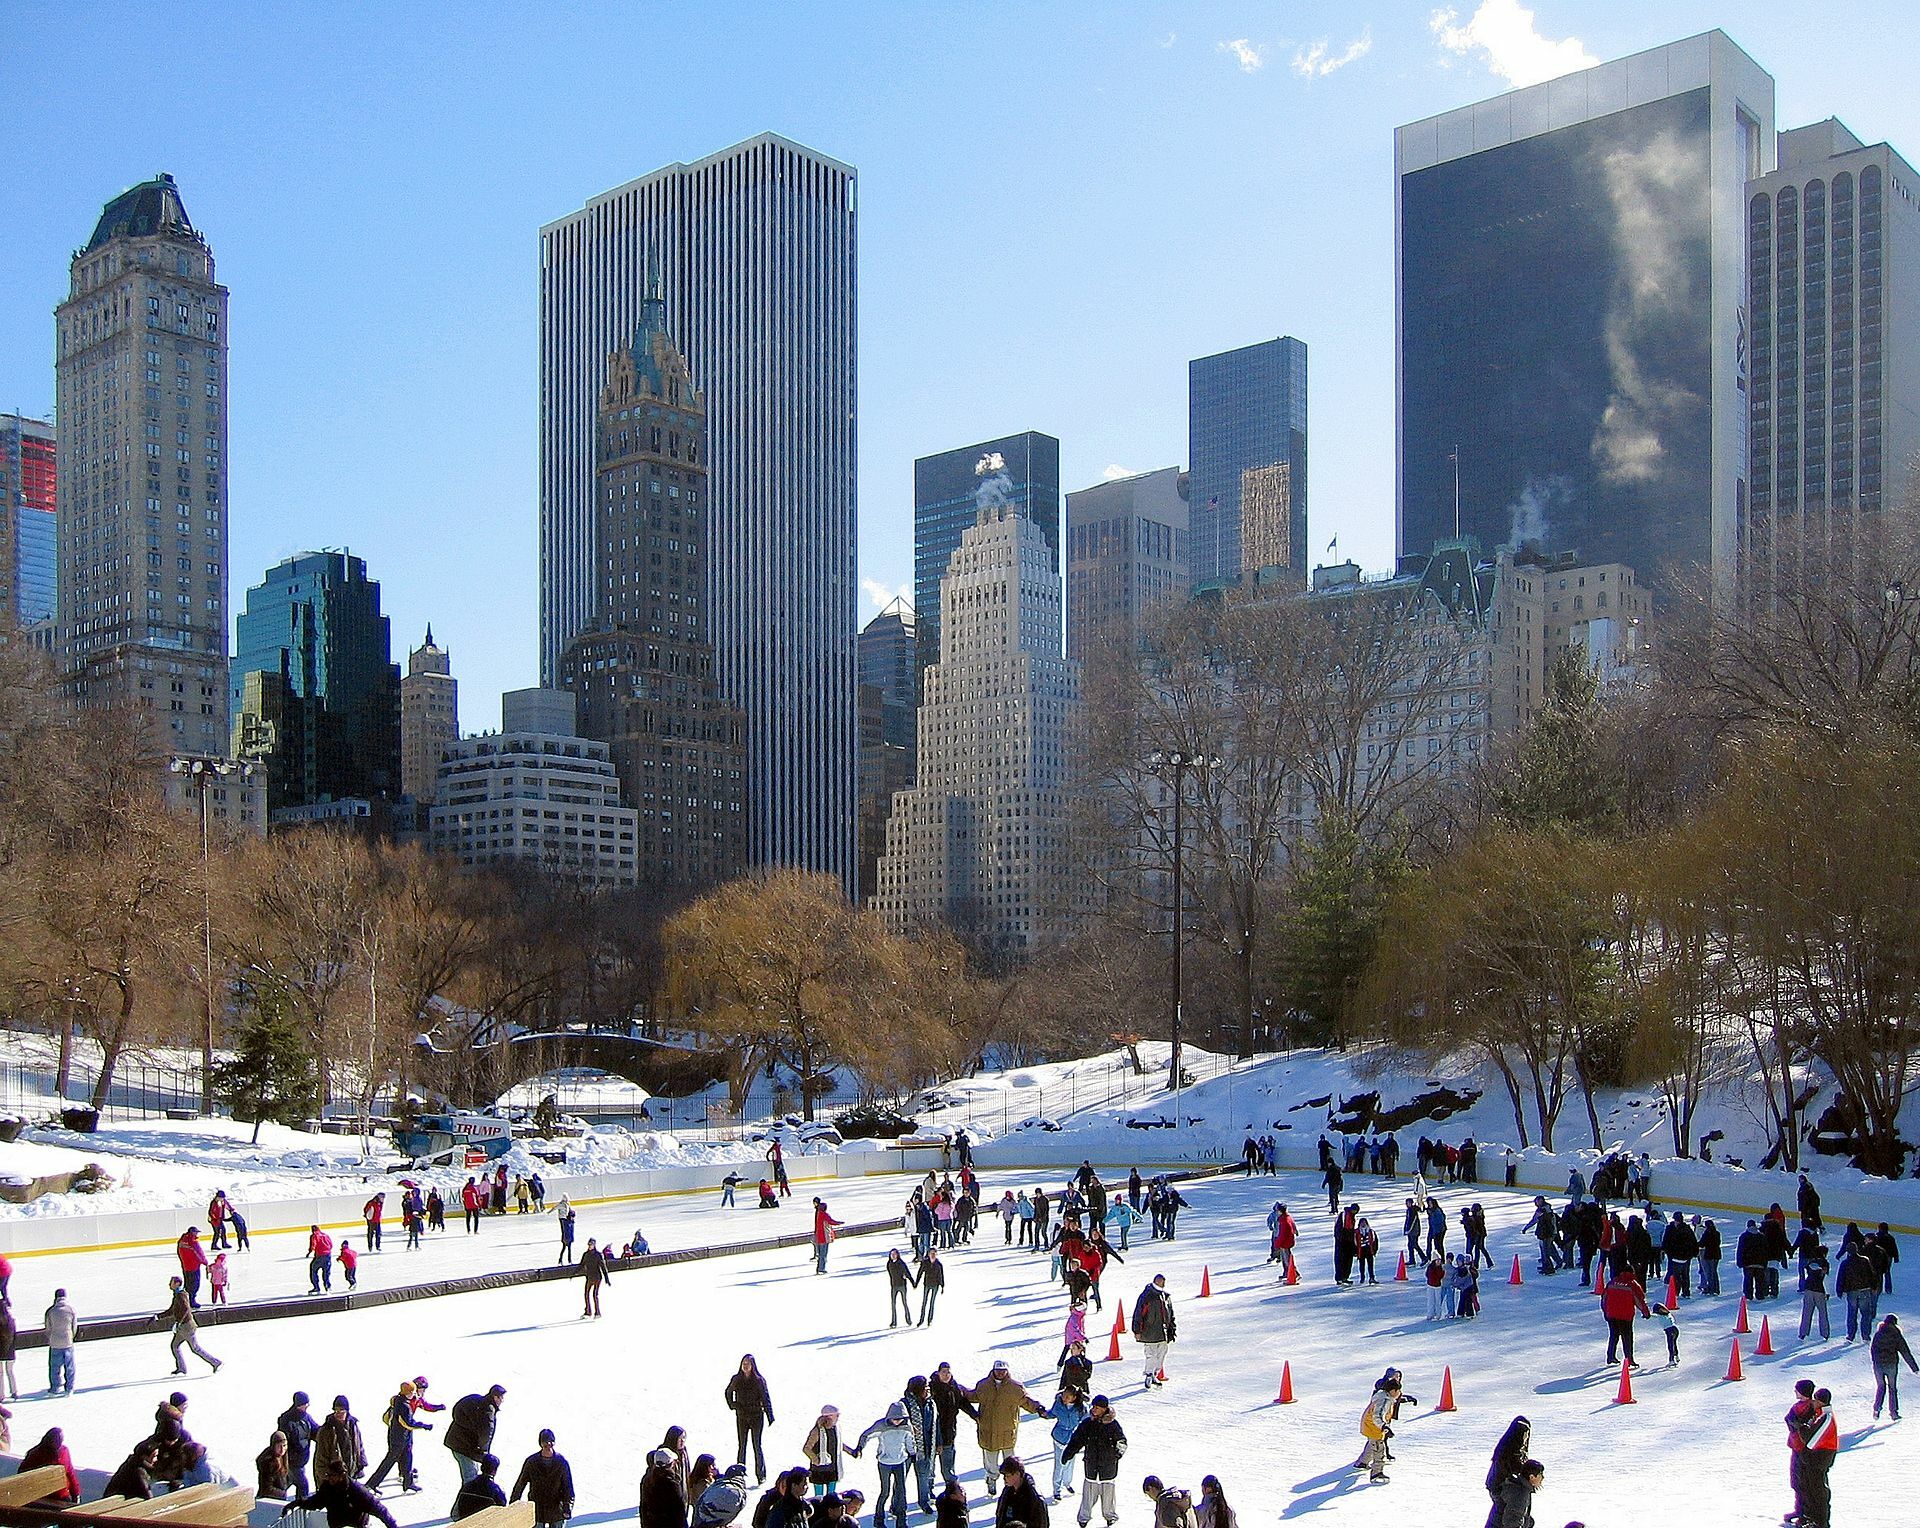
x,y
50,1450
372,1212
217,1219
1621,1298
319,1258
823,1229
473,1200
350,1263
1819,1435
193,1258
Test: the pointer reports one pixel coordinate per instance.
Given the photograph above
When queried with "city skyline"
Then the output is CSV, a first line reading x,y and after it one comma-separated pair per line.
x,y
429,371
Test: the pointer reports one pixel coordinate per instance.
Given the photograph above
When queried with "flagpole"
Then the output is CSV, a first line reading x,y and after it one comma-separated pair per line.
x,y
1455,455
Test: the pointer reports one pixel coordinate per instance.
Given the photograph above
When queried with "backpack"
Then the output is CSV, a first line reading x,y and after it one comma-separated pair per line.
x,y
1174,1509
719,1504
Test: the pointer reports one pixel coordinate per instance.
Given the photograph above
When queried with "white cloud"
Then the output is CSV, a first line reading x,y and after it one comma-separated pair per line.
x,y
880,596
1504,35
1115,472
1317,60
1245,54
1170,39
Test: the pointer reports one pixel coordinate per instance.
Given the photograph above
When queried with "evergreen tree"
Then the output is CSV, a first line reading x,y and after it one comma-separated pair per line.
x,y
271,1075
1562,776
1339,893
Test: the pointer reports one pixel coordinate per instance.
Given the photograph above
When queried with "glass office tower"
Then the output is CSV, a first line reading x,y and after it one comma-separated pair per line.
x,y
1572,311
1246,409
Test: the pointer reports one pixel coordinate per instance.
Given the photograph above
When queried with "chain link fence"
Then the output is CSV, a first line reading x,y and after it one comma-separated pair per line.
x,y
139,1090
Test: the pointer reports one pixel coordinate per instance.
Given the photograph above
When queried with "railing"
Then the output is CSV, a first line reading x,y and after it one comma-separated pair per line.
x,y
139,1090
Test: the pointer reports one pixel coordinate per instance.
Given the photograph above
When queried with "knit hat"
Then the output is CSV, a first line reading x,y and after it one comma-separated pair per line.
x,y
661,1458
340,1403
301,1398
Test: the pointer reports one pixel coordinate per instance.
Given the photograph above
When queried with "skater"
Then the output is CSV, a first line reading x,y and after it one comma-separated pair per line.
x,y
372,1212
217,1219
1103,1441
547,1478
1155,1329
949,1401
218,1277
1366,1247
727,1185
338,1444
748,1399
1621,1296
997,1403
1819,1435
401,1427
1076,1331
923,1416
296,1424
892,1452
1436,1277
470,1429
1887,1350
185,1329
1813,1294
1335,1181
472,1200
350,1264
437,1214
595,1270
272,1473
347,1503
823,1228
481,1492
565,1213
663,1492
60,1324
1172,1507
822,1449
1214,1510
933,1279
900,1281
1509,1456
1513,1507
1020,1504
1067,1413
319,1258
193,1262
1664,1319
777,1155
9,1343
1286,1236
1375,1429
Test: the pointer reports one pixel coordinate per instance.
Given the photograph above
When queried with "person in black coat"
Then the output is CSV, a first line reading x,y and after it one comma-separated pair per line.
x,y
134,1478
1102,1439
1509,1455
481,1492
750,1402
347,1503
1020,1504
470,1429
900,1279
663,1501
547,1480
299,1426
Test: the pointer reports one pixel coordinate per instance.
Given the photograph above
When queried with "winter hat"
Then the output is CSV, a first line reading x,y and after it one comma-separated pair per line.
x,y
829,1411
340,1403
546,1435
301,1398
661,1459
1001,1366
735,1470
178,1398
1102,1402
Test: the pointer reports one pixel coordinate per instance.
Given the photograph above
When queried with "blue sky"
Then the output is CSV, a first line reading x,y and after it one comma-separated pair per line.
x,y
1060,205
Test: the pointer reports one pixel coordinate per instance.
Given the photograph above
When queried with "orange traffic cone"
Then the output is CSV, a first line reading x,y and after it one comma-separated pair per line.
x,y
1206,1282
1293,1272
1764,1347
1514,1277
1400,1276
1159,1376
1733,1362
1285,1397
1113,1346
1119,1321
1625,1395
1673,1293
1446,1390
1740,1325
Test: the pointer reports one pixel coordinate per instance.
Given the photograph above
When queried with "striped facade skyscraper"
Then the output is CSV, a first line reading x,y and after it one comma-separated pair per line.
x,y
754,250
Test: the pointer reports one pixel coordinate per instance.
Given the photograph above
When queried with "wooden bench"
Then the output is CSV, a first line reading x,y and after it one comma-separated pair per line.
x,y
517,1515
202,1506
33,1485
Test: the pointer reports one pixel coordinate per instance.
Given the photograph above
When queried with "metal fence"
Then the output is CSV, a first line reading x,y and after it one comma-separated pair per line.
x,y
139,1089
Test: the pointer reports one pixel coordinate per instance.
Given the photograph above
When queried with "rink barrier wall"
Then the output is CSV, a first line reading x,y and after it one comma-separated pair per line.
x,y
100,1329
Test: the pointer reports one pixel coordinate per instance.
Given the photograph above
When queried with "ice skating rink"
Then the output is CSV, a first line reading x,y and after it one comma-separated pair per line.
x,y
1693,1449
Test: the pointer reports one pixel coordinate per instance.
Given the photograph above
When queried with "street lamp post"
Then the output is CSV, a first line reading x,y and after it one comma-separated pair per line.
x,y
1179,762
203,772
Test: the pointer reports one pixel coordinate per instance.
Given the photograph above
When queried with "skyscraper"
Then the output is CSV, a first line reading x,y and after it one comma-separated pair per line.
x,y
28,529
429,717
141,373
889,699
643,669
946,507
1245,408
755,253
980,843
1126,557
1571,311
1833,251
315,693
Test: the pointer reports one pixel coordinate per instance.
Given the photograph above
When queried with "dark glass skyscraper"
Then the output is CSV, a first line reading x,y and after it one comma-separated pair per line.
x,y
316,695
1246,409
1572,288
946,506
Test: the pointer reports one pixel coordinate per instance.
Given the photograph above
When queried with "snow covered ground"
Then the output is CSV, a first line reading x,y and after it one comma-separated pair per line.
x,y
1693,1450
